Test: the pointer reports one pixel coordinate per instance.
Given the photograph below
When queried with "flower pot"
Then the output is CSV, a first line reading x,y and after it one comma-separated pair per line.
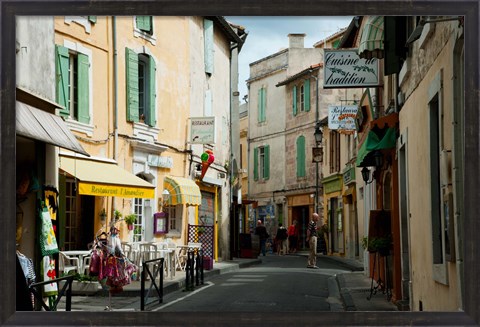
x,y
83,288
130,227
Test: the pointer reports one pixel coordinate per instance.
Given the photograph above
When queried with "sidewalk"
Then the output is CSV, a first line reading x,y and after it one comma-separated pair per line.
x,y
348,291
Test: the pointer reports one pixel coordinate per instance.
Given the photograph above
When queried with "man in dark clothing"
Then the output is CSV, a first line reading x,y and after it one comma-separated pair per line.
x,y
261,231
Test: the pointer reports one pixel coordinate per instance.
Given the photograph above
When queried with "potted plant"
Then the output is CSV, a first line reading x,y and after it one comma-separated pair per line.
x,y
130,220
117,215
378,244
84,284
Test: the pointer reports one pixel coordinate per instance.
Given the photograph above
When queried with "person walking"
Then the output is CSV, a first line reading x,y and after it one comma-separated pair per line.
x,y
281,239
261,231
293,237
312,241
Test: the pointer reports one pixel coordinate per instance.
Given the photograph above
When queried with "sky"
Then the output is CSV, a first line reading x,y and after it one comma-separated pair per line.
x,y
267,35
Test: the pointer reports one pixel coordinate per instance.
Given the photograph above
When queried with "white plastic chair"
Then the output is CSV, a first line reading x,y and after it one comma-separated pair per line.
x,y
68,264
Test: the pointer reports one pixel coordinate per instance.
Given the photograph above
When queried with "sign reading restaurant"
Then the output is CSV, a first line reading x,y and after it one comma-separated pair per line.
x,y
342,117
202,130
344,68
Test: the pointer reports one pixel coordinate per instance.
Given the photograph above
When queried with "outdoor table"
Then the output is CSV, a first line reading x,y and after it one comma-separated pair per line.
x,y
80,254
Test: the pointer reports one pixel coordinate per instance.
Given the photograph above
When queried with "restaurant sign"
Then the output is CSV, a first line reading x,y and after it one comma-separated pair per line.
x,y
344,68
342,117
115,190
202,130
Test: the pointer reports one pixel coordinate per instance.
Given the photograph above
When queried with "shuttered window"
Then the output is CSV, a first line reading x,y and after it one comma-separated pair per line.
x,y
72,84
208,45
294,100
255,164
262,103
306,96
144,23
301,156
140,87
266,162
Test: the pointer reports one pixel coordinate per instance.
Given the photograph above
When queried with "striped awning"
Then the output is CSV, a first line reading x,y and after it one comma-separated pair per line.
x,y
371,42
182,191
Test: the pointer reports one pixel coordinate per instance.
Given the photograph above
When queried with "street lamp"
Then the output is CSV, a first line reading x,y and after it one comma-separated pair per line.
x,y
417,32
165,197
366,175
318,134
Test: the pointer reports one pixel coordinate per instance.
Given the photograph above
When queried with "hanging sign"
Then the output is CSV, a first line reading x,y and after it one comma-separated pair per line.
x,y
202,130
342,117
344,69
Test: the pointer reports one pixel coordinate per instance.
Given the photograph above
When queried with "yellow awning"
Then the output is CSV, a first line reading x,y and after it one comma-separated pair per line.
x,y
105,179
182,191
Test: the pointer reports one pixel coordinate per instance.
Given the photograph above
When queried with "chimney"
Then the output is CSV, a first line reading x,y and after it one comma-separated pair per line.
x,y
296,40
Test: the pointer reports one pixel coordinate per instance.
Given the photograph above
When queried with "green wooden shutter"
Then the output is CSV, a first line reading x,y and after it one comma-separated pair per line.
x,y
301,156
294,100
83,89
92,19
208,45
259,106
151,117
131,59
307,95
61,67
266,164
255,164
144,23
263,104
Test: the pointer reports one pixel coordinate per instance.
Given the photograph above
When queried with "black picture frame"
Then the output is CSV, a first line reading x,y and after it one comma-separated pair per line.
x,y
9,9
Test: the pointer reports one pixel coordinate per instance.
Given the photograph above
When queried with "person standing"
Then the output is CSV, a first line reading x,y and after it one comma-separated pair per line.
x,y
281,238
261,231
312,241
293,237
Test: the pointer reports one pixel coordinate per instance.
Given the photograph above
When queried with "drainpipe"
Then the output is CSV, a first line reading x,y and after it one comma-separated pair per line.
x,y
115,94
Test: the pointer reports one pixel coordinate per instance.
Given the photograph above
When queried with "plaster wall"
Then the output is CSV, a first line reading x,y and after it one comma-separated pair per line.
x,y
414,116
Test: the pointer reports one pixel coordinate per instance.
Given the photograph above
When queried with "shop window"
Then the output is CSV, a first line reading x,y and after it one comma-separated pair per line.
x,y
174,219
140,86
72,84
138,226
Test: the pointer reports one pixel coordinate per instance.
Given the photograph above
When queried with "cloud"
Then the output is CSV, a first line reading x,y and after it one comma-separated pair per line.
x,y
269,34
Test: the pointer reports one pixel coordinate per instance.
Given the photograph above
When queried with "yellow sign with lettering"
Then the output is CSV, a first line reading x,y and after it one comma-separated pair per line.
x,y
115,190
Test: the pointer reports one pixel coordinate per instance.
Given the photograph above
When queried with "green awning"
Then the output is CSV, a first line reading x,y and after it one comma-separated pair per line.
x,y
371,41
374,142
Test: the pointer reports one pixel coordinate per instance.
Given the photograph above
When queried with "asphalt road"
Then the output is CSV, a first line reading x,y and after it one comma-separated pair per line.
x,y
279,283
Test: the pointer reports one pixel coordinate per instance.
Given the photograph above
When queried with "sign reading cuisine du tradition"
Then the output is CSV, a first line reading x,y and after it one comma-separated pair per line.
x,y
344,68
342,117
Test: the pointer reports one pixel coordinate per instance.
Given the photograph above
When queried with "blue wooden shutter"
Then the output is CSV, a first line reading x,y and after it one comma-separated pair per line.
x,y
307,95
266,164
294,100
255,164
301,156
61,67
131,59
208,44
151,117
83,91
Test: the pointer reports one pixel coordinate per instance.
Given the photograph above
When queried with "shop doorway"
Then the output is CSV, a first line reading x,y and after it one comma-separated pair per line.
x,y
300,214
